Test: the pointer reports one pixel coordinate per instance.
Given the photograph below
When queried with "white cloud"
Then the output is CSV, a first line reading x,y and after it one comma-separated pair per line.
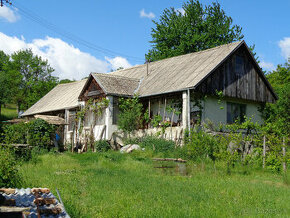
x,y
8,14
267,65
284,44
181,10
69,62
149,15
118,62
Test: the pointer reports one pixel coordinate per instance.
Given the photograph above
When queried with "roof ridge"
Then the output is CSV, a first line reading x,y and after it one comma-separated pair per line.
x,y
178,56
114,75
70,83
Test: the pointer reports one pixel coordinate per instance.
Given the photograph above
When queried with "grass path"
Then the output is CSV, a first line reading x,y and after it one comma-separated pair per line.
x,y
114,185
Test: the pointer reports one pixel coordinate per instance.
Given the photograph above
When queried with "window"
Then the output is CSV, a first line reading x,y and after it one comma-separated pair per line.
x,y
71,120
116,110
239,65
235,112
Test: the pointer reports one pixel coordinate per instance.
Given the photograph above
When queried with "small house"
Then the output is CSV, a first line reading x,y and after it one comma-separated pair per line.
x,y
217,85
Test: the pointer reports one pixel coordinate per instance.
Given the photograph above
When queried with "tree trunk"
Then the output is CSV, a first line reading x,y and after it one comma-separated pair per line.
x,y
0,109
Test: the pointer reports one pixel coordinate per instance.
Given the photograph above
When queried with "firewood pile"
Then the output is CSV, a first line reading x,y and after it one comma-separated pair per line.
x,y
35,202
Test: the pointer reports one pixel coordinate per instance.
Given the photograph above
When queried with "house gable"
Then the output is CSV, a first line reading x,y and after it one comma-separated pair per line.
x,y
239,76
91,90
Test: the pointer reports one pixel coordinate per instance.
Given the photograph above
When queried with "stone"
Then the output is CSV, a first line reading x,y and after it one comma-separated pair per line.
x,y
129,148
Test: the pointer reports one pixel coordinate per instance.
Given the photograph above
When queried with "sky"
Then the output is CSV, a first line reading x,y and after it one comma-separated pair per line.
x,y
80,37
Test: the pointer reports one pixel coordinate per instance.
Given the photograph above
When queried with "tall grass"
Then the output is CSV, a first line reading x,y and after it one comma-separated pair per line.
x,y
126,185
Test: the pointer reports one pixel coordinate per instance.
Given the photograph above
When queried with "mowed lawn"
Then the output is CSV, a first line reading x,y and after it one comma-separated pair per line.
x,y
9,112
116,185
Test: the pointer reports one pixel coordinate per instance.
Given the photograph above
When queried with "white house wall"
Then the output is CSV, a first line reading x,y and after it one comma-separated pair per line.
x,y
217,112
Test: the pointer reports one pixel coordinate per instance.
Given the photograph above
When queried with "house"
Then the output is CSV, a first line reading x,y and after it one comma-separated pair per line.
x,y
220,84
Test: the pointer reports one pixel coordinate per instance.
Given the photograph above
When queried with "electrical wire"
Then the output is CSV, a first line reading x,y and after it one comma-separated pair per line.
x,y
43,22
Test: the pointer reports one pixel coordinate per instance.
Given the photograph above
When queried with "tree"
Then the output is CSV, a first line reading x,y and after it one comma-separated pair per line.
x,y
130,117
278,114
200,27
7,80
34,75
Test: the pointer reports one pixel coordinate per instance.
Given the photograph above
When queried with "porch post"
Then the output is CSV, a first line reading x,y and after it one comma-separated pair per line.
x,y
109,118
65,128
185,110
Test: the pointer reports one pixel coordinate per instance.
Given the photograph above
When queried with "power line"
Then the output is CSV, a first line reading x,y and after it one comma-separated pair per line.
x,y
43,22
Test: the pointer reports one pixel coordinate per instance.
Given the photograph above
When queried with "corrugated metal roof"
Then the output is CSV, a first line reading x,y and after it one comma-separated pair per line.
x,y
116,85
60,97
36,202
177,73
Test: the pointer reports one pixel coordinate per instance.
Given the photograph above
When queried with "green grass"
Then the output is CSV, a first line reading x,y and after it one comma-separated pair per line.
x,y
116,185
9,112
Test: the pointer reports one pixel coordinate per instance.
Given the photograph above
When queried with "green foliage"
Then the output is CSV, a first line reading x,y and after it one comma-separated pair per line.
x,y
90,182
15,134
130,117
33,78
102,146
277,115
200,145
8,80
40,133
157,144
9,175
96,106
199,28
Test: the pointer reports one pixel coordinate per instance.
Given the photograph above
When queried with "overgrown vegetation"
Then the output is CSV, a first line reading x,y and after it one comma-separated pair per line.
x,y
130,117
36,133
9,175
111,184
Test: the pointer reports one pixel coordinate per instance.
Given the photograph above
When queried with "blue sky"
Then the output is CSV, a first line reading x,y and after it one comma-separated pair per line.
x,y
123,28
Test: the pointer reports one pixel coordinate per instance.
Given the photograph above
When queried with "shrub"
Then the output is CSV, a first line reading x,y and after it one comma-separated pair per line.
x,y
102,146
130,117
200,145
157,144
15,133
9,176
40,133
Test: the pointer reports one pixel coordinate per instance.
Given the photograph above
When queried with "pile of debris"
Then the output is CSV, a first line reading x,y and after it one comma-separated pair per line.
x,y
35,202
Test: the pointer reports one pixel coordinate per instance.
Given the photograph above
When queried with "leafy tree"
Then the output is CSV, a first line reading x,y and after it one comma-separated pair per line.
x,y
8,80
200,27
278,114
130,117
35,78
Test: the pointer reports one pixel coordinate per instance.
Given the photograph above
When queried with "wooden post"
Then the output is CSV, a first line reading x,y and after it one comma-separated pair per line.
x,y
149,112
284,155
264,151
164,110
149,107
159,108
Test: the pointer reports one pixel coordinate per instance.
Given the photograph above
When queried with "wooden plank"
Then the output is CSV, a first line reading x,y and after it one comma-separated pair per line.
x,y
170,159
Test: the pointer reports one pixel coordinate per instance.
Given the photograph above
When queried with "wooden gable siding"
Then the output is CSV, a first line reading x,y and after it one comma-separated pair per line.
x,y
248,84
92,90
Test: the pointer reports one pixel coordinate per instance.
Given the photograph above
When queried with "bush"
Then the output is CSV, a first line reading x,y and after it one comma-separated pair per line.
x,y
130,117
40,133
200,145
15,133
9,175
102,146
157,144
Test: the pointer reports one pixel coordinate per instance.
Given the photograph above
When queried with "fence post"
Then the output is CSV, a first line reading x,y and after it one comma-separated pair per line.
x,y
264,151
284,154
